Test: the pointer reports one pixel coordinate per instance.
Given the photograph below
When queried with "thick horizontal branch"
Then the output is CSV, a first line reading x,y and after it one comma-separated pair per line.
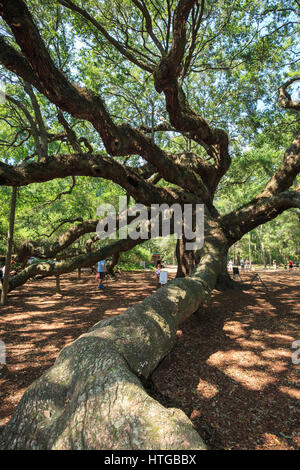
x,y
257,212
96,165
50,250
85,260
46,250
71,262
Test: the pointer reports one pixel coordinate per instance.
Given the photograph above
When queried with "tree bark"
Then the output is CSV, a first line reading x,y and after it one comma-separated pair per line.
x,y
57,285
262,245
10,237
92,398
113,264
183,259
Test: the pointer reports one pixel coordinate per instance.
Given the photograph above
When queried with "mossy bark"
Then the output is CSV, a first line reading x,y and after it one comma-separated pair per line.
x,y
93,398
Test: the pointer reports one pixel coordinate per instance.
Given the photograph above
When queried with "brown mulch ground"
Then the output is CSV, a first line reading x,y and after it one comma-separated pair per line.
x,y
231,369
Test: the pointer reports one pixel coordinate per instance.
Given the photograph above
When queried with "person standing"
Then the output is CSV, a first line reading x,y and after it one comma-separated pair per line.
x,y
274,265
242,263
230,264
290,264
101,270
157,272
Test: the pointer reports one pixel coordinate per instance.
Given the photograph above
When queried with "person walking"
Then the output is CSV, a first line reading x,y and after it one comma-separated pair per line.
x,y
101,270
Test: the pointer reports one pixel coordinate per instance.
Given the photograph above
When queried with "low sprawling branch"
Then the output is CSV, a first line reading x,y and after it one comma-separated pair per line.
x,y
96,165
94,392
50,268
50,250
259,211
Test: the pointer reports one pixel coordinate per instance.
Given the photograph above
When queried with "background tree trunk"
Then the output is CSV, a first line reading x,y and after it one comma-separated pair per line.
x,y
262,245
10,237
184,259
250,255
113,264
57,285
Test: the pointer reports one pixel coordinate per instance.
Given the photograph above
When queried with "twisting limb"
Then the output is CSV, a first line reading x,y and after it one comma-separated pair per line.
x,y
118,45
82,103
284,177
285,98
97,165
257,212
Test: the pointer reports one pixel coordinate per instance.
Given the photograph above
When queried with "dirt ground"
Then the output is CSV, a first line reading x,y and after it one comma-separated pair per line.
x,y
231,369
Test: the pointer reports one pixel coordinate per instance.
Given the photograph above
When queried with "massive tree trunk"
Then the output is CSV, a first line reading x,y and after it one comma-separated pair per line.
x,y
93,397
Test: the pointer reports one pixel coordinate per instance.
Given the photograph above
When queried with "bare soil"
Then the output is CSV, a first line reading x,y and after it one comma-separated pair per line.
x,y
231,369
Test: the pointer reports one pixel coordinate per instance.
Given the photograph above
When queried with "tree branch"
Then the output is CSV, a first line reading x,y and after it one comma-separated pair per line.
x,y
96,165
69,265
119,46
257,212
284,177
285,98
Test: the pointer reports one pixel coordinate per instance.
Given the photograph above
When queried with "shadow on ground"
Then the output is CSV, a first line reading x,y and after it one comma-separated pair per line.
x,y
231,370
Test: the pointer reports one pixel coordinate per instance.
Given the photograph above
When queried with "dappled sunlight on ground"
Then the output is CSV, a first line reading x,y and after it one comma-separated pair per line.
x,y
231,369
